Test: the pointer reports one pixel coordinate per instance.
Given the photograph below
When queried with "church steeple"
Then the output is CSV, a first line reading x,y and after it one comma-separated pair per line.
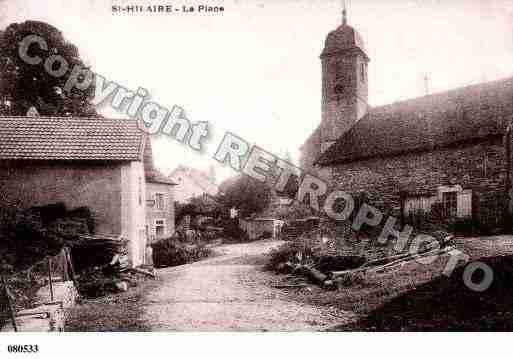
x,y
344,14
344,82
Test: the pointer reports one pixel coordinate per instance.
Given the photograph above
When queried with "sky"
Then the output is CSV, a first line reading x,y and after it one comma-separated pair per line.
x,y
254,70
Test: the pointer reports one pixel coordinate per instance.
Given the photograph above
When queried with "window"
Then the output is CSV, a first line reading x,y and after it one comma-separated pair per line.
x,y
140,191
159,201
417,205
362,72
450,204
159,228
485,164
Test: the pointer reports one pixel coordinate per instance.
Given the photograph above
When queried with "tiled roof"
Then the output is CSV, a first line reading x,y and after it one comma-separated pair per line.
x,y
434,121
155,176
66,138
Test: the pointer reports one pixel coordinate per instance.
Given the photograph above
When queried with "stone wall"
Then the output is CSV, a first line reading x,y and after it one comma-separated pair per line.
x,y
479,167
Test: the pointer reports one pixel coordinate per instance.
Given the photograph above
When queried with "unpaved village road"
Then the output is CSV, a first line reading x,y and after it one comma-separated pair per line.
x,y
231,292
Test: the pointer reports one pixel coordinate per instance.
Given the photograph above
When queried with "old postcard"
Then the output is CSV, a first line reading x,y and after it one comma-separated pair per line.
x,y
255,166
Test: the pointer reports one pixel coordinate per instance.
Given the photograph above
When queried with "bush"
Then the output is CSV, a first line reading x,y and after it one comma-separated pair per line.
x,y
175,251
24,241
94,283
301,251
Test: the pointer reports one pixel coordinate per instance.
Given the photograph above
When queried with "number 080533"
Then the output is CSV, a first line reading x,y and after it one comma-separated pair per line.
x,y
23,348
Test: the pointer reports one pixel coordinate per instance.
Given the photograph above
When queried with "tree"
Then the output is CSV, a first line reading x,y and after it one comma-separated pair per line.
x,y
246,194
24,85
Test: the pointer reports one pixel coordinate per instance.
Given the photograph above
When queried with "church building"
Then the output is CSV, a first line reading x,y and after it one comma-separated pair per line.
x,y
451,148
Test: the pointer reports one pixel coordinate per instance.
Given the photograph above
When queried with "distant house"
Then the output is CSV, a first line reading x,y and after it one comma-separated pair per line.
x,y
160,213
103,164
191,183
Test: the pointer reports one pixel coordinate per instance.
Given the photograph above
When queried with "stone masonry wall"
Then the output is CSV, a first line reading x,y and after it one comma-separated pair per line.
x,y
479,167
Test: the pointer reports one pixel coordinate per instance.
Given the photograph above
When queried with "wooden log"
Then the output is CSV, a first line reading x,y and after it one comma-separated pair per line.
x,y
382,261
282,286
402,260
30,314
349,271
142,271
313,274
409,259
317,275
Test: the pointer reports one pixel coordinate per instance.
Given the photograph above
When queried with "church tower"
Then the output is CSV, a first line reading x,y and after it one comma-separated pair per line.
x,y
344,82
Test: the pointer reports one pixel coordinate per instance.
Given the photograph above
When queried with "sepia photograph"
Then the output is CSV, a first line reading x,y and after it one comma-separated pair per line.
x,y
228,166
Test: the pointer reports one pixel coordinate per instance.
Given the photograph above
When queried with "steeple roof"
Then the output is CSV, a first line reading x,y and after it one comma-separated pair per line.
x,y
343,38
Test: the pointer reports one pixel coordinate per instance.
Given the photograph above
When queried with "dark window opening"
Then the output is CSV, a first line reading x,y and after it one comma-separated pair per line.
x,y
159,228
450,204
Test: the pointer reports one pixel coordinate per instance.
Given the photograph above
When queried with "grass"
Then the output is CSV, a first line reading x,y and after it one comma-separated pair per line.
x,y
418,297
447,304
116,312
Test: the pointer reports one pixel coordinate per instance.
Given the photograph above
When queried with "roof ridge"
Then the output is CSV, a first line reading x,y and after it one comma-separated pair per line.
x,y
445,92
67,118
458,116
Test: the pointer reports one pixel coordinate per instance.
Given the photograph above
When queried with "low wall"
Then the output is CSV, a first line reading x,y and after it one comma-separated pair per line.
x,y
257,228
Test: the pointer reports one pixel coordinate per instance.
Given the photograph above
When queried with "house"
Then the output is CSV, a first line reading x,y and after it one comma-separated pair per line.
x,y
191,182
160,215
451,148
103,164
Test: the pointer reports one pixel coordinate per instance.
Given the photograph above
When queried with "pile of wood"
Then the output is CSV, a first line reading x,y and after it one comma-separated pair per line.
x,y
89,251
337,279
384,264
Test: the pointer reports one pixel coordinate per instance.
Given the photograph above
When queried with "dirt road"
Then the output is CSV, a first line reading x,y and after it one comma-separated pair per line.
x,y
231,292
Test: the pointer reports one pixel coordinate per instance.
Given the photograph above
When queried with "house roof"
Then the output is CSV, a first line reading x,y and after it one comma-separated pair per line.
x,y
198,177
461,115
155,176
70,138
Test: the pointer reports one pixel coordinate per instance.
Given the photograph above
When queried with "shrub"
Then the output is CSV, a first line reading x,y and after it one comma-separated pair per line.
x,y
24,241
175,251
301,251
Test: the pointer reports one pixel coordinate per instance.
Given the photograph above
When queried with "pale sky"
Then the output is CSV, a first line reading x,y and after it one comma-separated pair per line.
x,y
255,69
